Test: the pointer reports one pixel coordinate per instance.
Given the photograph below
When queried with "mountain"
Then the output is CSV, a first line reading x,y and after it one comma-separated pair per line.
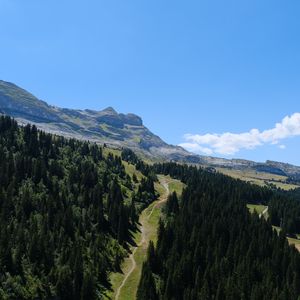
x,y
105,126
116,130
272,167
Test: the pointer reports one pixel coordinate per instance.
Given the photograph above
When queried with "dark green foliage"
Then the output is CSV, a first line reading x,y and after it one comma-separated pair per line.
x,y
248,193
213,248
285,212
153,258
146,192
172,206
63,215
147,289
129,156
284,206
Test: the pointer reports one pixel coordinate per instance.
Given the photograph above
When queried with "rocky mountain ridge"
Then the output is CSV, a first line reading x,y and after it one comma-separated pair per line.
x,y
105,126
116,130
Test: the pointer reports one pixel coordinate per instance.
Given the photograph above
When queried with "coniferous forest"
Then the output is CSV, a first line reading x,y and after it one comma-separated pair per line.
x,y
68,209
210,246
65,214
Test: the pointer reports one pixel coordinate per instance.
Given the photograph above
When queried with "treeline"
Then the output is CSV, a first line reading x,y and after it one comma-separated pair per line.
x,y
147,170
210,246
284,212
146,191
65,215
284,206
248,193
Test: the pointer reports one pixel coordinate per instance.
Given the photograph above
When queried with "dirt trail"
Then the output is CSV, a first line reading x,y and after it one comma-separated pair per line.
x,y
163,199
164,182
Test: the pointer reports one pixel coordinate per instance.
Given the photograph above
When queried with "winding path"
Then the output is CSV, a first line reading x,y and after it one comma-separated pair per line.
x,y
144,240
163,199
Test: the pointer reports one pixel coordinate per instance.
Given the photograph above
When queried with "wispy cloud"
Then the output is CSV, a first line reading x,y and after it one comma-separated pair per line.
x,y
231,143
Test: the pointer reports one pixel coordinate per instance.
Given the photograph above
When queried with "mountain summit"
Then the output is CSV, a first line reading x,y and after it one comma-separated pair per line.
x,y
105,126
116,130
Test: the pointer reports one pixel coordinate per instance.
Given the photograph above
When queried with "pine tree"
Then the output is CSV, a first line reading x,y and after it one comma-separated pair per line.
x,y
152,258
172,206
88,290
146,289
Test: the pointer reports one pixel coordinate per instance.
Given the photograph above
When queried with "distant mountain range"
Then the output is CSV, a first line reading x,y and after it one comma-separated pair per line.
x,y
116,130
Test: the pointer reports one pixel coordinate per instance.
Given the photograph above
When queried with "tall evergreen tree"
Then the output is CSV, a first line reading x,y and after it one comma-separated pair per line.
x,y
65,214
146,289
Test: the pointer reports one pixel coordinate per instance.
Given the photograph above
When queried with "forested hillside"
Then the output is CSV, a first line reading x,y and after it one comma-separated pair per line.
x,y
65,214
211,247
284,211
68,209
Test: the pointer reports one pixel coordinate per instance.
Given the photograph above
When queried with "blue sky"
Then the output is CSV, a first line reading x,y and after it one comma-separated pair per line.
x,y
187,67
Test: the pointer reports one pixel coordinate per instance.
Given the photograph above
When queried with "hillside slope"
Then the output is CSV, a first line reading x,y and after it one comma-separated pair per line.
x,y
67,212
210,247
106,126
118,130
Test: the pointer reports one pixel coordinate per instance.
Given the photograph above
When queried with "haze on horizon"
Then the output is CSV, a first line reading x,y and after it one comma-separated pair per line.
x,y
219,78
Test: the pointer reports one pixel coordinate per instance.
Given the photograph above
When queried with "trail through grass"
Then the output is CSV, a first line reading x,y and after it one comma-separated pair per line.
x,y
125,285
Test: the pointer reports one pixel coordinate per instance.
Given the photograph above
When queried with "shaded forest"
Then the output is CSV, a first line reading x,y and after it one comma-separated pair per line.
x,y
210,246
66,211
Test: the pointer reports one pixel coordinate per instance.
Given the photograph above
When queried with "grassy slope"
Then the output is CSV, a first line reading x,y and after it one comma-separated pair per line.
x,y
259,178
116,152
175,186
258,208
295,242
128,292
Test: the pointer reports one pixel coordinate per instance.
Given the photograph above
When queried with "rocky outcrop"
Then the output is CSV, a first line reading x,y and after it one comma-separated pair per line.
x,y
119,130
105,126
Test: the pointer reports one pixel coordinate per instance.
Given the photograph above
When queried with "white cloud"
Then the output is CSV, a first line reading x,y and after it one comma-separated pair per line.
x,y
231,143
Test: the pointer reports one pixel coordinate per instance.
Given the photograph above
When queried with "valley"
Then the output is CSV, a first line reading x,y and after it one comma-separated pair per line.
x,y
148,150
114,181
118,130
125,285
113,210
